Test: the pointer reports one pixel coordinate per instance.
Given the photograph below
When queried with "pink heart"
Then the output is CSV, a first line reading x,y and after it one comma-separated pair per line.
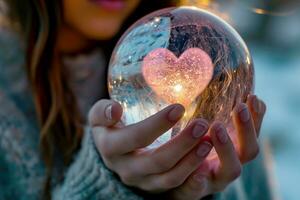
x,y
178,80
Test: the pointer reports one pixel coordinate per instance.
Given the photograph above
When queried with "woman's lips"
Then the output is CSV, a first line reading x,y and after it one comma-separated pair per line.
x,y
111,5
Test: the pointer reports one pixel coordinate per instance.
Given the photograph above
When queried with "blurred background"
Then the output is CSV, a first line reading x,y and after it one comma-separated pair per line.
x,y
271,28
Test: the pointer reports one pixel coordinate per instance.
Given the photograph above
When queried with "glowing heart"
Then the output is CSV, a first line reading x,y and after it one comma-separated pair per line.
x,y
177,80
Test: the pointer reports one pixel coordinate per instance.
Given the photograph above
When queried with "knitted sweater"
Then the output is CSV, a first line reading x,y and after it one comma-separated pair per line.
x,y
22,172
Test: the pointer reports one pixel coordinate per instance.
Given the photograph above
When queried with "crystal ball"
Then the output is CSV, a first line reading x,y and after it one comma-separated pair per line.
x,y
180,55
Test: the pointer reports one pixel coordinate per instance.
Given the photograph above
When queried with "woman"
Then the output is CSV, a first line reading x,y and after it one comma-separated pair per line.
x,y
50,64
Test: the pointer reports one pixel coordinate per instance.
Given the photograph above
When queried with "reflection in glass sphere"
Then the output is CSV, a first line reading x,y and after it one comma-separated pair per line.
x,y
180,55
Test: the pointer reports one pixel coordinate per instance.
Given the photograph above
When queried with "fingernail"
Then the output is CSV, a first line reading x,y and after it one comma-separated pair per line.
x,y
204,149
249,95
221,134
176,113
108,113
244,113
260,107
199,129
255,104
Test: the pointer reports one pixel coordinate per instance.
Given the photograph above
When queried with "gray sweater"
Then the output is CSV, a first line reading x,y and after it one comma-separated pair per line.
x,y
22,172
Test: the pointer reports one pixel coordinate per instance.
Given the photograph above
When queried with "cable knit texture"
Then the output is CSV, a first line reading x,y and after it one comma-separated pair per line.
x,y
88,179
22,172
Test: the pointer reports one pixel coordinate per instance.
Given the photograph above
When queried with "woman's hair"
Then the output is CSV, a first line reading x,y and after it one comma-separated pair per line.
x,y
57,110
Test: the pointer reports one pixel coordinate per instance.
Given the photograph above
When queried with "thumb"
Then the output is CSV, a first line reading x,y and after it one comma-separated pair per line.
x,y
105,113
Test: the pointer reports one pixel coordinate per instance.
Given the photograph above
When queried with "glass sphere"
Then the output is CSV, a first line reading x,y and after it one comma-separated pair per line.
x,y
180,55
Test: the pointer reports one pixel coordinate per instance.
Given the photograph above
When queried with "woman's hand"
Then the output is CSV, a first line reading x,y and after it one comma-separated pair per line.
x,y
179,166
152,170
214,175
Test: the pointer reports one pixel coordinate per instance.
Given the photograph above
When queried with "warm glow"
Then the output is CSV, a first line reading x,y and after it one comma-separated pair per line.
x,y
248,60
184,77
196,2
259,11
209,5
178,88
274,13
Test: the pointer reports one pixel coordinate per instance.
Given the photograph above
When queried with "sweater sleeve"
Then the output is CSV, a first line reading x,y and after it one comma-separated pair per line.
x,y
88,178
22,172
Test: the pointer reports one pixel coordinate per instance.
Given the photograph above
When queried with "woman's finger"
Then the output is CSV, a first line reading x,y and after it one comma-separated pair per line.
x,y
230,166
142,134
105,113
246,133
257,109
166,156
178,175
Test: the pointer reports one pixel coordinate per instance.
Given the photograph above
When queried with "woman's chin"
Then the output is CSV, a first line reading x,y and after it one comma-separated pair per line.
x,y
102,33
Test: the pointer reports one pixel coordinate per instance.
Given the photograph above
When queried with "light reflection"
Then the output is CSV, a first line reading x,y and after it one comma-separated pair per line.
x,y
275,8
178,88
209,5
248,60
261,11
